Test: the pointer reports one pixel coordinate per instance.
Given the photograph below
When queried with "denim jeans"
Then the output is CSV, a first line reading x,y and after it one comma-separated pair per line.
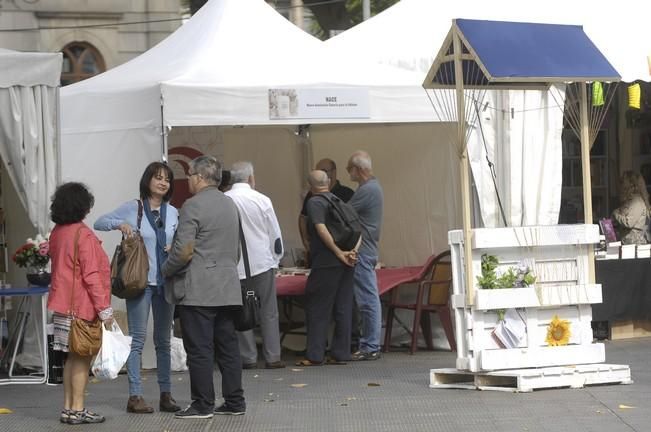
x,y
368,302
137,317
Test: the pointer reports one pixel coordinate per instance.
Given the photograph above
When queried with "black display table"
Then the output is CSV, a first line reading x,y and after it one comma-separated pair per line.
x,y
626,290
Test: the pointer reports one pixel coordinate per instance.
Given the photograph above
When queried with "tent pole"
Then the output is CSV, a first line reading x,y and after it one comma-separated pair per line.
x,y
585,168
162,133
464,169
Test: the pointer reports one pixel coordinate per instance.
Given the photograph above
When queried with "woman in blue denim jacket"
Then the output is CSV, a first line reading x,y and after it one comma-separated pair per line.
x,y
157,227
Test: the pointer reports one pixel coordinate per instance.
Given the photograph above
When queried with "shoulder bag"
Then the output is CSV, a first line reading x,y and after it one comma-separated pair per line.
x,y
130,264
248,316
85,338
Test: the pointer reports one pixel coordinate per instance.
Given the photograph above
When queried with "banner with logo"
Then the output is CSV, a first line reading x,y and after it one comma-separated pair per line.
x,y
342,103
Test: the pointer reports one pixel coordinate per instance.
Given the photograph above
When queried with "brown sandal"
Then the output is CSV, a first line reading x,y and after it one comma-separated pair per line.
x,y
335,362
307,363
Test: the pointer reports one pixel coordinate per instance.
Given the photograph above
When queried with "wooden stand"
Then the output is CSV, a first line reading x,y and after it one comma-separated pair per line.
x,y
559,256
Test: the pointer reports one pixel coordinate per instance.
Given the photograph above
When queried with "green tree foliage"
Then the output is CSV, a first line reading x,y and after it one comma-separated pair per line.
x,y
336,15
354,8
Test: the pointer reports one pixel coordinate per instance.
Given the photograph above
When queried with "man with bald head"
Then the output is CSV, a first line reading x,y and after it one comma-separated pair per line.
x,y
368,201
329,289
340,191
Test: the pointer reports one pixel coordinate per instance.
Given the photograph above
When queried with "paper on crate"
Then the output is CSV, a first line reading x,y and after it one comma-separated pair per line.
x,y
509,332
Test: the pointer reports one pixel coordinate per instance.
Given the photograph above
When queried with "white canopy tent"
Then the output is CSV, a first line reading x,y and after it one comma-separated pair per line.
x,y
528,125
29,88
215,71
409,33
28,128
211,78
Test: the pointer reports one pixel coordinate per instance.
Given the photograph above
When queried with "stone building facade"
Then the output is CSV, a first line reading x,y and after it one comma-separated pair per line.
x,y
94,35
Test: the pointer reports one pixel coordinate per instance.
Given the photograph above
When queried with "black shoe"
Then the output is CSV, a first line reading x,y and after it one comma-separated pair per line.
x,y
84,417
275,365
249,366
361,355
192,413
224,409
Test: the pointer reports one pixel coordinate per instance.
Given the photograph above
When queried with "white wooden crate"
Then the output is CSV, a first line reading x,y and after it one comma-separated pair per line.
x,y
559,256
526,380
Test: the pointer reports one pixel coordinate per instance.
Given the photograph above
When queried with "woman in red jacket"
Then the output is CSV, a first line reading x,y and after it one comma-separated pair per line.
x,y
91,298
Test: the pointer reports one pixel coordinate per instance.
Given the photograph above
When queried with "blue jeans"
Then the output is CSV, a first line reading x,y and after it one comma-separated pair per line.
x,y
368,302
137,317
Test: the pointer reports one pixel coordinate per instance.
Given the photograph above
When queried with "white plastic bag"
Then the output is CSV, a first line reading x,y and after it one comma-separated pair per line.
x,y
179,357
113,354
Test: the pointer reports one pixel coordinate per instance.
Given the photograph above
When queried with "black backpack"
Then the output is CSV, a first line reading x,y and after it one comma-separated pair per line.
x,y
342,222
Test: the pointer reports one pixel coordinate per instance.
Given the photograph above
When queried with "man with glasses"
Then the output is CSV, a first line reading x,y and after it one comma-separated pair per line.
x,y
368,201
202,280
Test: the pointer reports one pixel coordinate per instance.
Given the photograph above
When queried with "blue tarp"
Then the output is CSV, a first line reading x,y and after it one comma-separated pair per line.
x,y
527,50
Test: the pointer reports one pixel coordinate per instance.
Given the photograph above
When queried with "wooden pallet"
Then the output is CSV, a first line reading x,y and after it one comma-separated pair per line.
x,y
527,380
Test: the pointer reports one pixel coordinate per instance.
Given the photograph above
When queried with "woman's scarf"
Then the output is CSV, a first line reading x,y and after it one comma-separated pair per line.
x,y
161,239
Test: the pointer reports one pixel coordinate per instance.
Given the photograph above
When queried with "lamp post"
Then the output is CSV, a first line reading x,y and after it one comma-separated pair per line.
x,y
366,9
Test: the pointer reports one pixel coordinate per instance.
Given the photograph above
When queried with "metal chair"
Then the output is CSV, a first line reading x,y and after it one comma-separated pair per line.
x,y
432,296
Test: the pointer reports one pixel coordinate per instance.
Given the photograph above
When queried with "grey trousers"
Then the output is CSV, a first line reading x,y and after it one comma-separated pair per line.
x,y
264,285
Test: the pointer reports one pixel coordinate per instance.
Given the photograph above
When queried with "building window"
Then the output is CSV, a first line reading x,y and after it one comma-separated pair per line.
x,y
81,60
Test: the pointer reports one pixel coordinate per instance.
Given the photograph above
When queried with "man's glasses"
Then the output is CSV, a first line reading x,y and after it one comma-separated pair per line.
x,y
157,219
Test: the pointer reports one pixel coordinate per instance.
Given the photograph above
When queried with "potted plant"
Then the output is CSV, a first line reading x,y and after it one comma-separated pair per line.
x,y
34,255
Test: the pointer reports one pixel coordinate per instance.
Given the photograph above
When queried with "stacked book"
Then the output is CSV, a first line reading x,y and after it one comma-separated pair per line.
x,y
600,250
628,251
612,250
644,251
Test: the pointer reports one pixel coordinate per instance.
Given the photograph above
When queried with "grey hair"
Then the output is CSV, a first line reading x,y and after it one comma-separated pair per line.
x,y
241,171
362,160
318,178
209,168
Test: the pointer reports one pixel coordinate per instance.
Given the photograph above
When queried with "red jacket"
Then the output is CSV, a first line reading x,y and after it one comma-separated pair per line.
x,y
92,290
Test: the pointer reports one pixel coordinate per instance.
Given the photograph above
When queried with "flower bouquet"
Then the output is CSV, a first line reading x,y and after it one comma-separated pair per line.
x,y
35,256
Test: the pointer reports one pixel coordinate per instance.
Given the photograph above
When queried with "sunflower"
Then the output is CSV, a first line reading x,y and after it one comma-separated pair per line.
x,y
558,332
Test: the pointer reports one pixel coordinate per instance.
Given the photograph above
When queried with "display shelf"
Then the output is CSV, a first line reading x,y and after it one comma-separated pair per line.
x,y
559,257
542,296
530,236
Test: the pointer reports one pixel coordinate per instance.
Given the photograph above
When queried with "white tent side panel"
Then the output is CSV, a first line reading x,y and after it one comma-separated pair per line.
x,y
111,164
418,171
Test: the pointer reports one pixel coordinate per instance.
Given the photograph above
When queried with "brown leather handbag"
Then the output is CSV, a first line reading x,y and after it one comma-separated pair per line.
x,y
85,338
130,265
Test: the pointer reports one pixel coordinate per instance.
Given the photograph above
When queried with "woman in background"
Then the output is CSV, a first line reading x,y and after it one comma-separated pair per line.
x,y
89,277
158,220
632,216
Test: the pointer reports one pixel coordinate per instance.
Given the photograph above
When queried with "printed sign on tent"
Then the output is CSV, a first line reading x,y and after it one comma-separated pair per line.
x,y
318,103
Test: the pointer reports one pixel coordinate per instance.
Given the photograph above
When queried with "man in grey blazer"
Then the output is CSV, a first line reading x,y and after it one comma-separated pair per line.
x,y
202,280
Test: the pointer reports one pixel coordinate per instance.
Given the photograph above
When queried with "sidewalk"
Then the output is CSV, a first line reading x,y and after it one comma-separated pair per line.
x,y
390,394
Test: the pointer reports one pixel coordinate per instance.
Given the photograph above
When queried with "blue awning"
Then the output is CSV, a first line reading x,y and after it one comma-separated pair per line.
x,y
511,53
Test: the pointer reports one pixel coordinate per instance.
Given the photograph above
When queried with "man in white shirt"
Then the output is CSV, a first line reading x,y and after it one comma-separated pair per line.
x,y
265,249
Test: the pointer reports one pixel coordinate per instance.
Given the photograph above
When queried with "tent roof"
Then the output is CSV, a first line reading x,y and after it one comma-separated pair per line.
x,y
409,34
29,68
513,53
217,68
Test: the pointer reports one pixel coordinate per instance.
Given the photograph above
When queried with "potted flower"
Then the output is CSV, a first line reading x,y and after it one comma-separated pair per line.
x,y
34,255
